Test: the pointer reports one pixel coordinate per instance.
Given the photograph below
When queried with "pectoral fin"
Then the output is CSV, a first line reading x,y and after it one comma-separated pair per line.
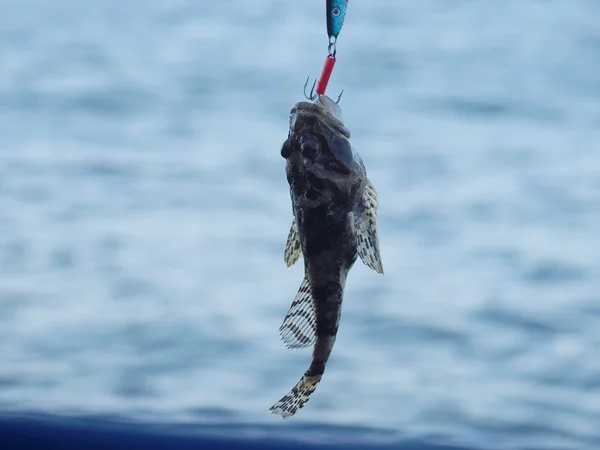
x,y
365,219
293,249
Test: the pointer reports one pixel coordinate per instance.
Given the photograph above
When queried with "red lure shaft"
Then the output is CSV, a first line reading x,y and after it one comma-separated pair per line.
x,y
325,75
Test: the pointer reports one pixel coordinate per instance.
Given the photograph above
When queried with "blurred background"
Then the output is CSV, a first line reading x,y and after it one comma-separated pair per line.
x,y
144,212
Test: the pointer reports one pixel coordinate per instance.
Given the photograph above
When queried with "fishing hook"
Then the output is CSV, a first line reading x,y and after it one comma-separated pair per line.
x,y
312,95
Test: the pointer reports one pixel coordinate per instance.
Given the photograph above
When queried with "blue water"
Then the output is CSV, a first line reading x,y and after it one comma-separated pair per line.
x,y
144,211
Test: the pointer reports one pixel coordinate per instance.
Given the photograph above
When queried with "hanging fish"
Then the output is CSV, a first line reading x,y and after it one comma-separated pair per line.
x,y
336,12
335,221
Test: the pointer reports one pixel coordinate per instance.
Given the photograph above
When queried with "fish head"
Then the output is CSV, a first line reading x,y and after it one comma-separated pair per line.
x,y
318,148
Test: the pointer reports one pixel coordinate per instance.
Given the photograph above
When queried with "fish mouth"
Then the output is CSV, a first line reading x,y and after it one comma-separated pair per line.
x,y
324,114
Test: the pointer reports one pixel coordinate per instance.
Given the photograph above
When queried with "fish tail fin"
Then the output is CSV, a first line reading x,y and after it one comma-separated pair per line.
x,y
297,397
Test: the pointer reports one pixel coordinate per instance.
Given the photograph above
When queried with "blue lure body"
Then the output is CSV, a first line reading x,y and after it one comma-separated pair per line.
x,y
336,12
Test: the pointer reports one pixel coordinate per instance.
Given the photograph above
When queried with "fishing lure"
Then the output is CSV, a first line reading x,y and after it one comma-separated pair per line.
x,y
335,15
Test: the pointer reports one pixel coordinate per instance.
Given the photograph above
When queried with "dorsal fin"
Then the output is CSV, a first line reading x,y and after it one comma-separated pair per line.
x,y
299,328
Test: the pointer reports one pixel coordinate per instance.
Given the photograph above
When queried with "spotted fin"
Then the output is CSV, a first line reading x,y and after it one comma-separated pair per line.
x,y
296,398
299,328
365,219
293,249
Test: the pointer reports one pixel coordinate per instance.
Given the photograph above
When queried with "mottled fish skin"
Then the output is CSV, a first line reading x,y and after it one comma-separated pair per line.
x,y
330,196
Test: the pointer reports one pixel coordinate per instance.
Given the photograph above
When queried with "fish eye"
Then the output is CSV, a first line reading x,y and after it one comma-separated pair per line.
x,y
336,167
310,147
332,165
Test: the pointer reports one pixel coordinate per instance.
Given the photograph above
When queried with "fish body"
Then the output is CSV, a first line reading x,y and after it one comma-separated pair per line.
x,y
336,13
335,221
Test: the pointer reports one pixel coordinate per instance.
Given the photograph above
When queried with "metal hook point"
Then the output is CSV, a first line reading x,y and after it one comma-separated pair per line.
x,y
339,97
312,95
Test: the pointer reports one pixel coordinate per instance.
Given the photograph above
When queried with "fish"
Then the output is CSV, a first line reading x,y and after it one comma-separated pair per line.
x,y
335,221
